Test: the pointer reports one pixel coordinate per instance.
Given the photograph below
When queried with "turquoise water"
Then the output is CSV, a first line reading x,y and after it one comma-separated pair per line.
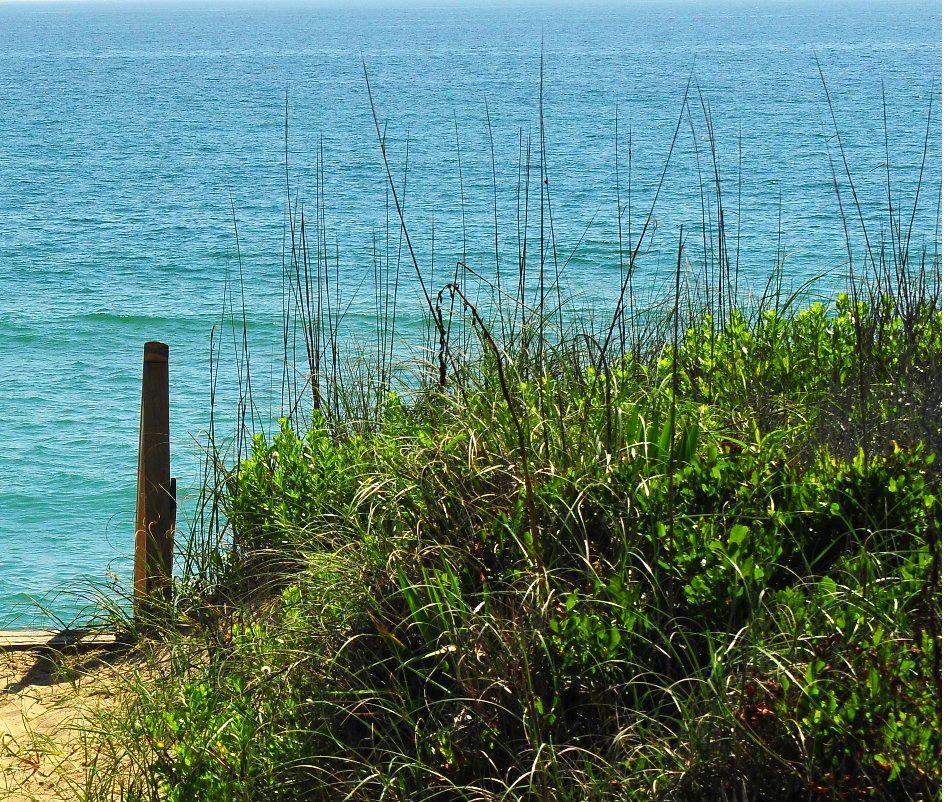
x,y
134,140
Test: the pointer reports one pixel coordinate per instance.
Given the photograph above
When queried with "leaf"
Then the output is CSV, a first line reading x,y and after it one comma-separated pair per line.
x,y
689,444
738,534
665,440
615,639
652,437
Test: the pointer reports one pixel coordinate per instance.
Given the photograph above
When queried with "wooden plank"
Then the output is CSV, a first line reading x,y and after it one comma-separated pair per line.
x,y
23,639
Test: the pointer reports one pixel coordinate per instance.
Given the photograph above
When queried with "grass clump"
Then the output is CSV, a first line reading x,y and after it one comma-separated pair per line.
x,y
542,579
694,555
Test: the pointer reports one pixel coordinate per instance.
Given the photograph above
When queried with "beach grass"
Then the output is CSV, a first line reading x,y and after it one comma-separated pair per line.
x,y
690,553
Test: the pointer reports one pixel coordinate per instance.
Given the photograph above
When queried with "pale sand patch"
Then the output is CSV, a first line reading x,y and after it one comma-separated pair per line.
x,y
47,702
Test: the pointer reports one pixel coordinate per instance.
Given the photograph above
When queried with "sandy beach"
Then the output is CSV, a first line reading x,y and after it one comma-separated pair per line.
x,y
49,700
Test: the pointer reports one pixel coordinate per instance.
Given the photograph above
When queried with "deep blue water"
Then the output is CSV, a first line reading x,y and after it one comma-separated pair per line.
x,y
134,138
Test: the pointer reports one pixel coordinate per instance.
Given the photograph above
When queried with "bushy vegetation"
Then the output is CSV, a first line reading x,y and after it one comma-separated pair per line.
x,y
708,573
691,555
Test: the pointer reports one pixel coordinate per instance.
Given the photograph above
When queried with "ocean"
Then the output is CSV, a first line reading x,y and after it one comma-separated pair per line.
x,y
151,154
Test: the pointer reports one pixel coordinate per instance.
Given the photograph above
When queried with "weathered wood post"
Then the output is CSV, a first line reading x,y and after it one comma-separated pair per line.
x,y
155,507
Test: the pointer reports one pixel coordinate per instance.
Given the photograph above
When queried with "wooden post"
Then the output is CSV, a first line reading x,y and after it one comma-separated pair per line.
x,y
156,507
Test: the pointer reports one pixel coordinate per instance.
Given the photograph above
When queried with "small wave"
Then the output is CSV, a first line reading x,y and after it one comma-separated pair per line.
x,y
140,320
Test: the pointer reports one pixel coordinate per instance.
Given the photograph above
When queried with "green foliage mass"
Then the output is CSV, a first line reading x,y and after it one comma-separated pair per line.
x,y
709,573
